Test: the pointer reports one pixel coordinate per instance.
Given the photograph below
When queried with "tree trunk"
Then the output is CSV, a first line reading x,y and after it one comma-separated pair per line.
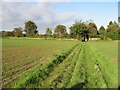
x,y
87,37
84,38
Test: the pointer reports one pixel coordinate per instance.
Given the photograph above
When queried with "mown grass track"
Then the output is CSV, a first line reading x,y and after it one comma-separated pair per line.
x,y
80,67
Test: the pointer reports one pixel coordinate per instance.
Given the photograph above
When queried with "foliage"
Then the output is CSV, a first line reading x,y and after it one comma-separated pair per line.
x,y
78,30
92,29
110,23
7,34
48,31
30,28
81,29
119,19
60,31
113,31
114,36
17,32
102,31
102,37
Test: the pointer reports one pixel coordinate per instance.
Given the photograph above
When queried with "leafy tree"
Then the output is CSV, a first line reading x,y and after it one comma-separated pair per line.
x,y
79,30
17,32
110,23
10,34
92,28
119,19
114,22
113,31
7,34
4,34
30,28
48,31
102,31
60,30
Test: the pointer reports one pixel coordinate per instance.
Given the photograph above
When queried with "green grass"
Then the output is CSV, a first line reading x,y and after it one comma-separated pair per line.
x,y
75,65
107,48
22,55
44,72
101,70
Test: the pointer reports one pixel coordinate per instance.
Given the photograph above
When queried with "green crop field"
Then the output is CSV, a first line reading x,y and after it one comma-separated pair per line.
x,y
35,63
22,55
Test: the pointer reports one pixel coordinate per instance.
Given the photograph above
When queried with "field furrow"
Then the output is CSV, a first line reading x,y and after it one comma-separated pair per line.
x,y
44,72
78,79
62,74
94,79
80,66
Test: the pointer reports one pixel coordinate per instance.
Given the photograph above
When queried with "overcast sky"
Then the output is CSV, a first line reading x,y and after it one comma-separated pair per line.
x,y
49,14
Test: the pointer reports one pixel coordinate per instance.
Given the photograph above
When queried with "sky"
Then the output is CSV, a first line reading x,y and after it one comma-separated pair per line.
x,y
49,14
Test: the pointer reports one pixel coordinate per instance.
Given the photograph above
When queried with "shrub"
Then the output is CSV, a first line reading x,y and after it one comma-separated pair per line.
x,y
114,36
103,37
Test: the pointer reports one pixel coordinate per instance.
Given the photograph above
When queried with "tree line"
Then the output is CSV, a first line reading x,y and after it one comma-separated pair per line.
x,y
79,30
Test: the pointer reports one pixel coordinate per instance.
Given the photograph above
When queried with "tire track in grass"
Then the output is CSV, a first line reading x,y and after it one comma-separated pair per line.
x,y
86,74
79,79
106,70
105,85
95,77
62,74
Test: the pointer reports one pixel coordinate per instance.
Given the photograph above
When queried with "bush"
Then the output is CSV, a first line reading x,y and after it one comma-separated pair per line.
x,y
103,37
114,36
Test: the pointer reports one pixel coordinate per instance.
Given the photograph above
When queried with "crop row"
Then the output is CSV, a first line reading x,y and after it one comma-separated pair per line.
x,y
61,75
80,67
43,71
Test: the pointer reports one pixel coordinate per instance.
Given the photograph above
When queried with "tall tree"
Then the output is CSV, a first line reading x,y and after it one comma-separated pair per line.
x,y
92,28
119,19
113,31
110,23
102,31
60,30
30,28
79,30
48,31
115,22
17,32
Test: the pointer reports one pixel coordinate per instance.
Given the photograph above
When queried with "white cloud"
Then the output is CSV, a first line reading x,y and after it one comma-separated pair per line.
x,y
15,14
